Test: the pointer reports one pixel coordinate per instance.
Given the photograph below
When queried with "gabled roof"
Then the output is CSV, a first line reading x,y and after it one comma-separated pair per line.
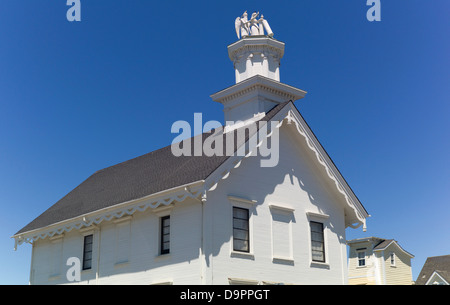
x,y
435,264
380,244
372,239
160,172
386,243
133,179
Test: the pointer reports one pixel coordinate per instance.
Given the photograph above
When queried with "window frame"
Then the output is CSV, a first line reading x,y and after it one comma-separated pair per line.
x,y
361,259
244,203
392,259
247,219
162,250
85,252
322,232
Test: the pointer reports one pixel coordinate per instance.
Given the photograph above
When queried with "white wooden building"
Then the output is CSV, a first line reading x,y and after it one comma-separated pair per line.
x,y
163,219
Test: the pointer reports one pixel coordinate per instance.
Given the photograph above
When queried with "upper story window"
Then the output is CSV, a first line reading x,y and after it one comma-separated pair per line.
x,y
361,258
392,259
317,242
87,251
241,230
165,235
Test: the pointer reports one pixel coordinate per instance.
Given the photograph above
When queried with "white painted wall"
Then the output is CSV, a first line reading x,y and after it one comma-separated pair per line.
x,y
297,182
144,265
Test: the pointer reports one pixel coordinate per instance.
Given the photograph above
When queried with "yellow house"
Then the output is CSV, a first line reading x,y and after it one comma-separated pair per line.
x,y
378,261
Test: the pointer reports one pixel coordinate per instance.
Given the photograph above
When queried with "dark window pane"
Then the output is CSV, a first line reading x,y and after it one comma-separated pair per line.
x,y
87,252
240,224
317,242
166,221
241,238
317,236
240,234
316,227
317,256
166,230
165,235
166,245
240,213
240,245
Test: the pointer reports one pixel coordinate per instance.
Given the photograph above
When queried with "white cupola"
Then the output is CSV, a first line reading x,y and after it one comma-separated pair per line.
x,y
256,59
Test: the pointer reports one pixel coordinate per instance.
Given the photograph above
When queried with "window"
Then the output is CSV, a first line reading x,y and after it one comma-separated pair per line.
x,y
392,257
317,242
165,235
87,252
361,258
241,237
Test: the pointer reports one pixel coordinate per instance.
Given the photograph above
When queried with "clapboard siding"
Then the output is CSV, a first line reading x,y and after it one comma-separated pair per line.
x,y
401,272
362,275
297,183
144,265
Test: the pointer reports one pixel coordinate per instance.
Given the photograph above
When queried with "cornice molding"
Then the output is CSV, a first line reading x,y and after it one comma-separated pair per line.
x,y
238,53
116,212
258,82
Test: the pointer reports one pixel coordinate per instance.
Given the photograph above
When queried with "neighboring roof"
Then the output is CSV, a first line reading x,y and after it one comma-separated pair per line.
x,y
364,239
133,179
438,264
383,244
380,243
386,243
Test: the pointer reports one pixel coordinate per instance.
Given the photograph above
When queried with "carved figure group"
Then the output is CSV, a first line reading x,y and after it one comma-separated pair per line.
x,y
252,27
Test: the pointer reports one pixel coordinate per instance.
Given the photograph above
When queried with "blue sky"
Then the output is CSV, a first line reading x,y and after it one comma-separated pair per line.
x,y
78,97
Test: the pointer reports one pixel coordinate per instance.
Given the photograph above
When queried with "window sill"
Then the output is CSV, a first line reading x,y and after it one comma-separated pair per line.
x,y
162,257
170,282
121,264
323,265
247,255
54,277
283,260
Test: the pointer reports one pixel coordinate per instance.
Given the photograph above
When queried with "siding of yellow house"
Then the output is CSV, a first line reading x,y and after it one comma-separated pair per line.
x,y
361,275
400,273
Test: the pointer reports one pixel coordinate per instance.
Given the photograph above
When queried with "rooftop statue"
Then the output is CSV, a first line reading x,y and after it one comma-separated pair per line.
x,y
252,27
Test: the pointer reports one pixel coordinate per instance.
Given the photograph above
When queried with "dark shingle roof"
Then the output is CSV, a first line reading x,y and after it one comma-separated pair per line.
x,y
440,264
386,242
133,179
383,244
